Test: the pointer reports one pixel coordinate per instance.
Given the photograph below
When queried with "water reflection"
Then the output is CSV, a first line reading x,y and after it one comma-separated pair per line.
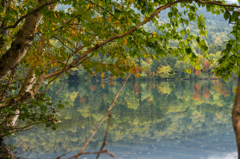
x,y
177,119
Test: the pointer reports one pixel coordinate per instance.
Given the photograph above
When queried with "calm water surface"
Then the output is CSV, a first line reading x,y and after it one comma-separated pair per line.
x,y
158,120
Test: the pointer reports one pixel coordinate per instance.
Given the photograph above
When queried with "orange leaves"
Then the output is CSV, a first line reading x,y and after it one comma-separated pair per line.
x,y
150,73
102,85
135,70
149,102
83,99
111,78
136,88
102,75
147,61
125,41
150,86
83,31
206,65
198,87
206,92
197,72
93,74
222,90
112,83
148,99
92,87
197,95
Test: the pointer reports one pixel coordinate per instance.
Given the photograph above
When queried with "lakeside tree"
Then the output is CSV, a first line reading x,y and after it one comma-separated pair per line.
x,y
39,43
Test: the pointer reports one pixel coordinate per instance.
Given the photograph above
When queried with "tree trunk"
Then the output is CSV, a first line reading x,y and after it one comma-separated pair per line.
x,y
236,116
30,78
26,87
6,152
21,45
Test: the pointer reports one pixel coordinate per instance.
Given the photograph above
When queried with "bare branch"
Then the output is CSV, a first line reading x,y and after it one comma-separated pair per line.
x,y
105,137
99,124
219,3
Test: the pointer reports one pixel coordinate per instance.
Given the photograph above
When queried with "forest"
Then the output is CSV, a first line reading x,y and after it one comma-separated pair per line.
x,y
168,67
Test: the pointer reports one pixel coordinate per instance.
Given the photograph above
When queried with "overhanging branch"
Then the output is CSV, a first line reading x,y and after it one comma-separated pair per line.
x,y
25,16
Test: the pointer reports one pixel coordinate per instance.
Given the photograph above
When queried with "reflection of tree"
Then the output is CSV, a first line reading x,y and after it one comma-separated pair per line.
x,y
168,110
164,88
131,100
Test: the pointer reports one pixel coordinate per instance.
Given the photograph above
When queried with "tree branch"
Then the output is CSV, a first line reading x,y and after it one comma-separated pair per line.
x,y
99,124
62,43
76,62
25,16
105,137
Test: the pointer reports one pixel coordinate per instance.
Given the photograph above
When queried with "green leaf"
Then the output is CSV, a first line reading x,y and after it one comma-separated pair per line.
x,y
183,32
235,69
188,71
60,106
226,15
188,50
209,7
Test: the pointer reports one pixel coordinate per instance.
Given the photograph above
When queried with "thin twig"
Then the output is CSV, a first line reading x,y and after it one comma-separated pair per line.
x,y
59,157
104,10
63,43
105,137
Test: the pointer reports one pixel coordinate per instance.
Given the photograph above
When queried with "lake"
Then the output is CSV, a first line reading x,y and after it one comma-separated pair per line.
x,y
151,119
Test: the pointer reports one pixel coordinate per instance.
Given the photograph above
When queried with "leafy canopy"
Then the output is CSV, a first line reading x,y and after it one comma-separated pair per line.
x,y
69,37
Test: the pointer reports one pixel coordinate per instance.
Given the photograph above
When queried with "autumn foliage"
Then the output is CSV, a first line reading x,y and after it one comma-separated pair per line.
x,y
92,87
136,88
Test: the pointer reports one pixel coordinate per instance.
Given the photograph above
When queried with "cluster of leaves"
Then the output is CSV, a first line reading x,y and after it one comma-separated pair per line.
x,y
179,65
32,112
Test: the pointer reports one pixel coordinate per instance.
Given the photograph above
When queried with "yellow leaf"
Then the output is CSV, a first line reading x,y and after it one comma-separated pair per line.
x,y
235,90
125,41
89,6
154,34
145,56
74,69
83,127
98,17
146,69
83,31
